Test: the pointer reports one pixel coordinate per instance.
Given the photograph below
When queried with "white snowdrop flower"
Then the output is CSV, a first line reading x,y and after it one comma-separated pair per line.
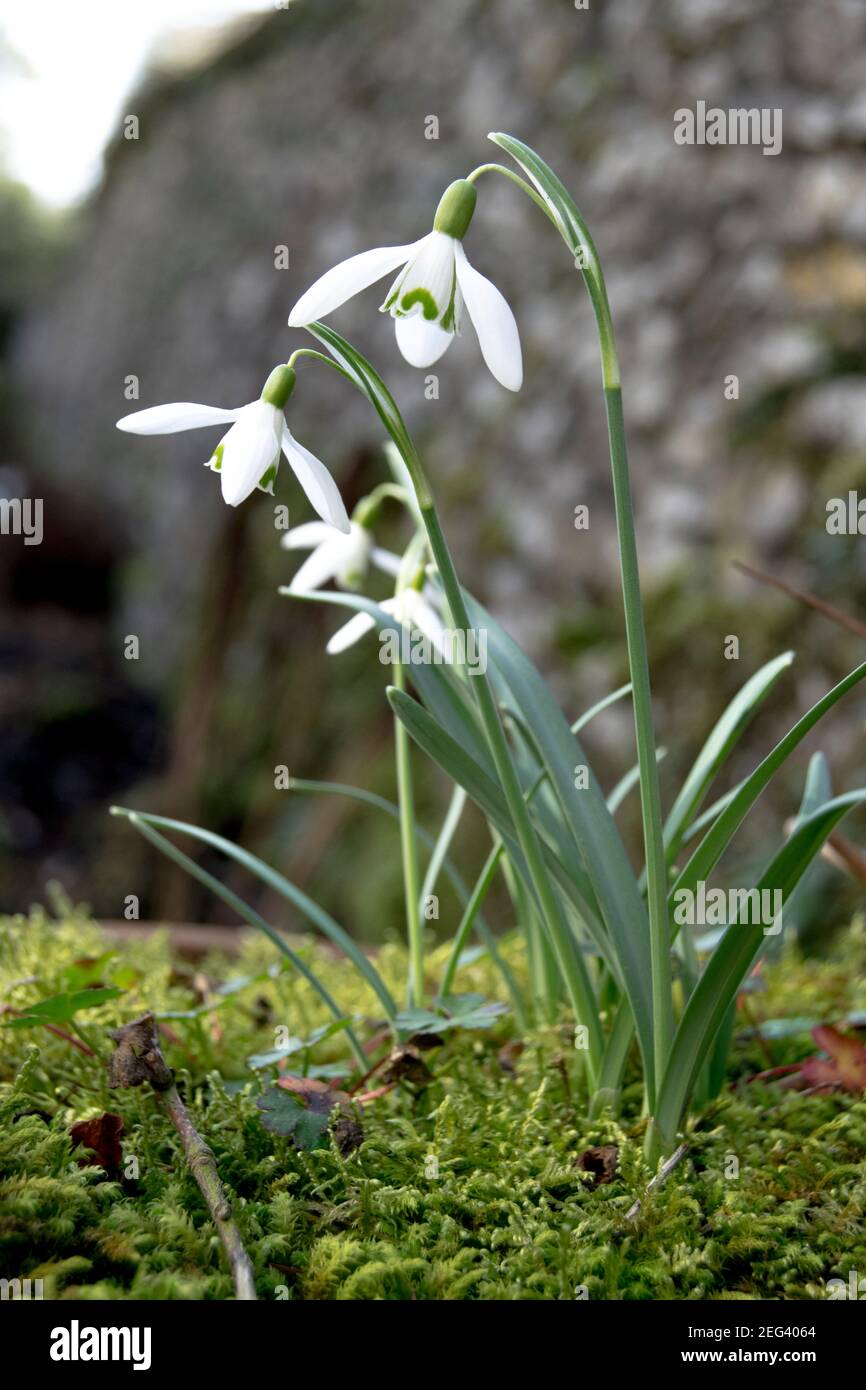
x,y
428,297
345,558
409,608
248,455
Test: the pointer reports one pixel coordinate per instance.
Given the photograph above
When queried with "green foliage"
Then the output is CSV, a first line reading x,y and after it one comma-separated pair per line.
x,y
452,1011
60,1008
468,1190
303,1120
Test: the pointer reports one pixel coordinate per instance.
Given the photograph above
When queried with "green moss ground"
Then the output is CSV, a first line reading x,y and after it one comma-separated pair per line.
x,y
509,1216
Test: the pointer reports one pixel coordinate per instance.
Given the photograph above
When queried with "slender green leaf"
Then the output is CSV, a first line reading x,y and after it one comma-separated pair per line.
x,y
486,794
381,803
596,837
443,841
715,752
722,831
733,958
305,904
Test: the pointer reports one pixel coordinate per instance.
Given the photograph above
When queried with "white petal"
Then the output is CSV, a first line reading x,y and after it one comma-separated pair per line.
x,y
306,536
346,279
350,633
385,560
421,342
429,284
427,621
250,448
318,567
494,323
316,482
180,415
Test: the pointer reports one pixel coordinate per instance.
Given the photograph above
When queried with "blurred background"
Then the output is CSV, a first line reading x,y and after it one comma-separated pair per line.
x,y
306,126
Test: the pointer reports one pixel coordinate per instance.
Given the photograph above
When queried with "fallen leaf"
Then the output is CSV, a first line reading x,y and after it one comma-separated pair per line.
x,y
844,1068
102,1135
406,1064
601,1162
508,1054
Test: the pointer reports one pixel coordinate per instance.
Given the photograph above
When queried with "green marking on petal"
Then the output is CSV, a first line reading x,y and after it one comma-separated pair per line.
x,y
449,318
422,297
216,461
266,481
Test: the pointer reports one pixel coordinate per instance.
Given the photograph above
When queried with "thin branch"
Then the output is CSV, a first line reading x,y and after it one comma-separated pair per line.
x,y
666,1169
137,1059
803,596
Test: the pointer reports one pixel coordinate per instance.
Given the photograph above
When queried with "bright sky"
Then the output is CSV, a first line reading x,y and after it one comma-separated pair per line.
x,y
81,61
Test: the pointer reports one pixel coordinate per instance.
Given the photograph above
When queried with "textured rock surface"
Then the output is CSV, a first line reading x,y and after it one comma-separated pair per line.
x,y
309,131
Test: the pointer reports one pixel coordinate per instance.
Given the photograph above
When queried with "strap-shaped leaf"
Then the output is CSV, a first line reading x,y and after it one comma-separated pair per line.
x,y
596,837
486,794
724,737
718,837
438,688
733,958
286,889
142,823
461,888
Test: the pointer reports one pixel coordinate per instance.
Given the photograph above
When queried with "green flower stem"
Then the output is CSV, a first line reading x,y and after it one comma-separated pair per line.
x,y
570,962
650,796
407,577
515,178
562,212
470,912
409,852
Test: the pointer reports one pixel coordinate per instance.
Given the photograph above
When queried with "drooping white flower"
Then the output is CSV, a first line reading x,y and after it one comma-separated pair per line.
x,y
428,297
410,608
248,455
335,555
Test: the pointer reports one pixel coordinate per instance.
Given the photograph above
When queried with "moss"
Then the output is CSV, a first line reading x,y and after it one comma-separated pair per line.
x,y
467,1191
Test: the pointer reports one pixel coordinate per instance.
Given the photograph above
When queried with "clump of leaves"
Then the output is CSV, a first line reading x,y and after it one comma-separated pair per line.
x,y
60,1008
304,1046
450,1011
310,1113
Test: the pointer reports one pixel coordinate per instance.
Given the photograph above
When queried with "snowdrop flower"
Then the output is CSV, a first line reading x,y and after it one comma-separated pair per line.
x,y
248,456
410,608
345,558
427,299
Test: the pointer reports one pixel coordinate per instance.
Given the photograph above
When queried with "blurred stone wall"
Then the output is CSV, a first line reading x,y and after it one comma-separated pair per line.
x,y
309,131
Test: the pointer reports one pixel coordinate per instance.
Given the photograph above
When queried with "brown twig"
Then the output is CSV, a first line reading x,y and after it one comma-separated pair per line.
x,y
803,596
666,1169
137,1059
